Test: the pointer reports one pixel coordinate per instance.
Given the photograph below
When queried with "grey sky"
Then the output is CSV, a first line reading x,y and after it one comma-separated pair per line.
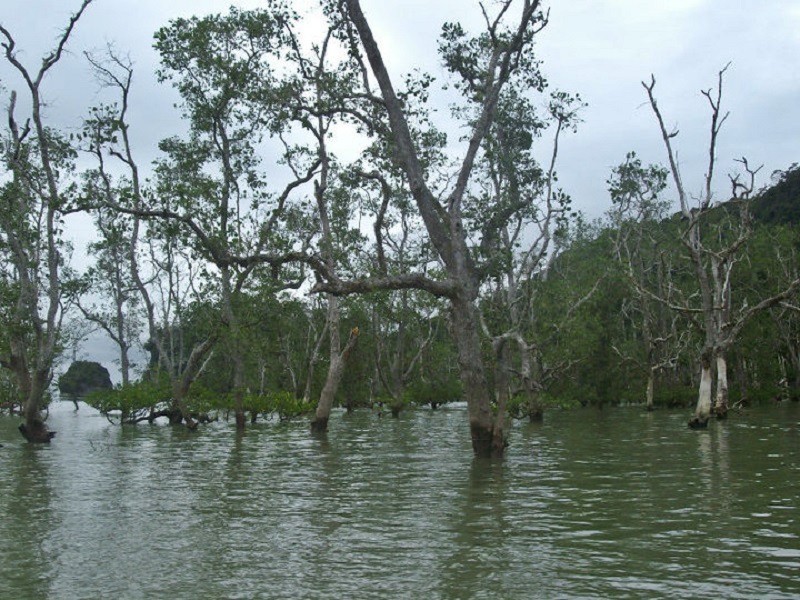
x,y
601,49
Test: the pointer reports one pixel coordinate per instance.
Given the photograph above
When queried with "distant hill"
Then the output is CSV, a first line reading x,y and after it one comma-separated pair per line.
x,y
780,203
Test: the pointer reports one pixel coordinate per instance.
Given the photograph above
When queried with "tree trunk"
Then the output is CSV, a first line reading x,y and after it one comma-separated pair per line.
x,y
319,423
703,410
721,402
650,389
531,378
180,413
34,429
487,441
535,408
502,383
238,388
741,377
124,366
338,361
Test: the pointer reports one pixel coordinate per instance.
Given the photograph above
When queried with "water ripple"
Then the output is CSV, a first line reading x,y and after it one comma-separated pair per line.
x,y
587,505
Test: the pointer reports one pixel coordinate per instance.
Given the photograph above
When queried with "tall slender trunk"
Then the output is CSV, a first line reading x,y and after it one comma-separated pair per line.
x,y
121,334
238,388
230,319
530,371
338,361
124,366
721,402
742,378
312,358
650,388
397,368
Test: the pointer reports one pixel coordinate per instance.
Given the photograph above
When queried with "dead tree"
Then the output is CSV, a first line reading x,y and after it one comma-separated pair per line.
x,y
714,249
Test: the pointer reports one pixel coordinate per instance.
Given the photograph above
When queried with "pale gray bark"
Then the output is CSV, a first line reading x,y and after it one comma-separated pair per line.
x,y
713,266
721,399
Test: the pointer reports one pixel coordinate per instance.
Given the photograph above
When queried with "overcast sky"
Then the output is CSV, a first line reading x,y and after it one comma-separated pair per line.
x,y
601,49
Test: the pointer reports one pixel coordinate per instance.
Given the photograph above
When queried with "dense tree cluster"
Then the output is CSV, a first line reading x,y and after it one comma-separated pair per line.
x,y
265,275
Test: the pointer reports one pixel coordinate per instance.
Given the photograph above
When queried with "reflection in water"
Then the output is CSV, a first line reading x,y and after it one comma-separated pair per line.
x,y
588,504
26,505
474,557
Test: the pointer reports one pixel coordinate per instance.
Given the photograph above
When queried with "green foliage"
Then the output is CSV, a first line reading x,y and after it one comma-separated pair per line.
x,y
674,396
133,399
395,405
517,405
780,203
9,392
764,394
282,404
216,58
286,406
433,391
139,399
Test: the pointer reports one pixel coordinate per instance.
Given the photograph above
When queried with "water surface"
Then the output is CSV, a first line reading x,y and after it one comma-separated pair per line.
x,y
590,504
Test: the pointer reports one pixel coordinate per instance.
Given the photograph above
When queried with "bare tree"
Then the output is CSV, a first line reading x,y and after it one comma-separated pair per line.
x,y
714,250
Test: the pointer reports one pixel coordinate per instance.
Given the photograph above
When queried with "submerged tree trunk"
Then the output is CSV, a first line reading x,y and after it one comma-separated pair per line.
x,y
181,384
238,367
238,385
319,423
502,383
535,407
445,225
487,436
238,393
34,429
703,410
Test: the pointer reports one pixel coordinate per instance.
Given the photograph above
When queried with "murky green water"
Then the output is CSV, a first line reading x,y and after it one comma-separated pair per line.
x,y
591,504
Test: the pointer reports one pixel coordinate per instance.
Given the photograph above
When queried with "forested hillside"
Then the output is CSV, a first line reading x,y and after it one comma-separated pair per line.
x,y
780,203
